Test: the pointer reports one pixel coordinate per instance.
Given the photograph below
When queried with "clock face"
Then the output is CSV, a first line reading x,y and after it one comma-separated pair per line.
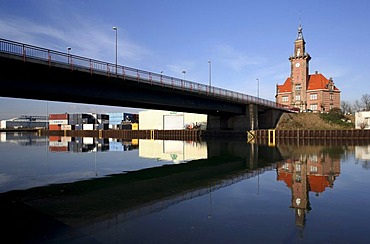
x,y
298,201
297,65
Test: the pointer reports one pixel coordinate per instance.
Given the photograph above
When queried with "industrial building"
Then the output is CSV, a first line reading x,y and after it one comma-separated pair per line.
x,y
170,120
25,122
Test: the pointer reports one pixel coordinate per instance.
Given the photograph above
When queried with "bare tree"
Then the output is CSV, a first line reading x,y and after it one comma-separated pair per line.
x,y
346,107
357,106
365,100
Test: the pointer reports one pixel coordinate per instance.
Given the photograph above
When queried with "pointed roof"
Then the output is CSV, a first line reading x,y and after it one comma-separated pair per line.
x,y
315,82
300,34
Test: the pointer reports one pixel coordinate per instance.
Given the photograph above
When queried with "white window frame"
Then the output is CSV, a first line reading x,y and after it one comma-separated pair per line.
x,y
313,96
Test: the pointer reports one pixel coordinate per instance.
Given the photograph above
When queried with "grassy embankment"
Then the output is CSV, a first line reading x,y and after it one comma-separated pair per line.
x,y
315,121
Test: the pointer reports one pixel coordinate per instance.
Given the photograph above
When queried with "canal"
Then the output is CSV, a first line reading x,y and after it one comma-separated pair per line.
x,y
57,189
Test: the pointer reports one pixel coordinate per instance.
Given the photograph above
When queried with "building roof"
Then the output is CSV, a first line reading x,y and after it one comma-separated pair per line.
x,y
317,183
315,82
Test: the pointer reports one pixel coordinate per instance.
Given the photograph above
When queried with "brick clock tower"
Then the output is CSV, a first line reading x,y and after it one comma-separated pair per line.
x,y
299,72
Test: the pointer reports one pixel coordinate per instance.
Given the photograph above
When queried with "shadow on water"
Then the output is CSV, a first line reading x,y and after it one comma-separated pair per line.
x,y
56,211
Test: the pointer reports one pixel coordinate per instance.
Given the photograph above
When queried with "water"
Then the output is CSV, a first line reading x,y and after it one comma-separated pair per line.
x,y
90,190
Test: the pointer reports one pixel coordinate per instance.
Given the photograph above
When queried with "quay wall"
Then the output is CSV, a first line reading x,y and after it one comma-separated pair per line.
x,y
191,135
314,134
198,135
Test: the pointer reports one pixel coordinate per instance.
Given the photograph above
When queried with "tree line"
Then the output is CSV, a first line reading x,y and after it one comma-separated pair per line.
x,y
362,104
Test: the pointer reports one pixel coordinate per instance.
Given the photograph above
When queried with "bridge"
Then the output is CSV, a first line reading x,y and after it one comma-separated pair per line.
x,y
33,72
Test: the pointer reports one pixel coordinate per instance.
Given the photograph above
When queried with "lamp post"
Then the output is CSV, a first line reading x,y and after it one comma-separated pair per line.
x,y
115,29
258,88
210,80
68,51
183,72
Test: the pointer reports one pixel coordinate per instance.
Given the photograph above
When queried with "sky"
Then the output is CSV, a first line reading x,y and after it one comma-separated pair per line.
x,y
247,42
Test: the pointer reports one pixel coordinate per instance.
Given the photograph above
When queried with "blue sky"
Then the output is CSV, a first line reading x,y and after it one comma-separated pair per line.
x,y
245,41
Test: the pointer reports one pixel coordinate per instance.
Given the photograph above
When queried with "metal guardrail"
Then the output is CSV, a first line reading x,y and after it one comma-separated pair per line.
x,y
74,62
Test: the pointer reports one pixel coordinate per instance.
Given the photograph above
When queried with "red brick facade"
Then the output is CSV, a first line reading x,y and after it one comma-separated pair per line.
x,y
303,91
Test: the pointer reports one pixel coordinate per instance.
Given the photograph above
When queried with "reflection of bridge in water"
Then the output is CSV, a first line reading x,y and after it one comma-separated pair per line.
x,y
159,204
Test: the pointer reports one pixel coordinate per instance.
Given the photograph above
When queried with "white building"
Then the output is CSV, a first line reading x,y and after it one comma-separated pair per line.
x,y
362,120
169,120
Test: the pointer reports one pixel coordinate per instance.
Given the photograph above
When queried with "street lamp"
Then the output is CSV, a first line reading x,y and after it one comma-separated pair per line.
x,y
209,62
183,72
68,51
258,88
115,29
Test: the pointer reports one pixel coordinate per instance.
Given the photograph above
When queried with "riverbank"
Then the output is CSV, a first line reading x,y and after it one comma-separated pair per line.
x,y
314,121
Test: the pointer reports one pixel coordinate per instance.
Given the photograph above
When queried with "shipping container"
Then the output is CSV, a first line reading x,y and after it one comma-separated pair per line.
x,y
58,121
135,126
54,127
58,144
127,117
126,126
58,149
58,116
88,126
78,127
55,138
66,138
66,127
88,140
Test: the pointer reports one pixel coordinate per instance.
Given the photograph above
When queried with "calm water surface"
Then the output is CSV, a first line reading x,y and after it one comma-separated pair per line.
x,y
90,190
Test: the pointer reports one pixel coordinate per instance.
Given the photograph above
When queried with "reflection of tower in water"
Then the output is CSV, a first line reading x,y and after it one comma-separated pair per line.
x,y
300,188
308,172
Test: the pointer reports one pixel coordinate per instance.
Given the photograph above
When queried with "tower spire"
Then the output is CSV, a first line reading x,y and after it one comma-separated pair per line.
x,y
300,35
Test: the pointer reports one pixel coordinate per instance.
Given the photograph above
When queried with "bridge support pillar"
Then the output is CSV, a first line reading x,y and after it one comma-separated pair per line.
x,y
253,119
252,116
217,122
246,122
269,119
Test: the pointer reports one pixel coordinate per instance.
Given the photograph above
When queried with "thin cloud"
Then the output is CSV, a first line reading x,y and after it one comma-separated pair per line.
x,y
235,59
95,40
177,69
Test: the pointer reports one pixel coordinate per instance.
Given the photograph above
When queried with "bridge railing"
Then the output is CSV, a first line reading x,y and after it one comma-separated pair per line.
x,y
75,62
